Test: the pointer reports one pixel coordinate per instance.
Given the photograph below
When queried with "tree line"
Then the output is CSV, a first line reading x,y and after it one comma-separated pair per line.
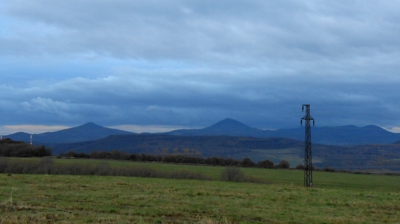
x,y
178,159
10,148
184,159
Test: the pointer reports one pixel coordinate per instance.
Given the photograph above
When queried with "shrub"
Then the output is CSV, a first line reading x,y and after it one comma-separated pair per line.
x,y
46,163
48,160
233,174
102,169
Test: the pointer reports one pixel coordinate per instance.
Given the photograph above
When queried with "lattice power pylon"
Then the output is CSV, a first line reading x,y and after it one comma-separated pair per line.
x,y
308,181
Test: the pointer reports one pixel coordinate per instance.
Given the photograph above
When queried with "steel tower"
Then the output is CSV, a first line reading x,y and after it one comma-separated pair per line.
x,y
307,147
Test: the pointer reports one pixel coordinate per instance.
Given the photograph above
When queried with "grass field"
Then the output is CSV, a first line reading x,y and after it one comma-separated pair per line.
x,y
336,198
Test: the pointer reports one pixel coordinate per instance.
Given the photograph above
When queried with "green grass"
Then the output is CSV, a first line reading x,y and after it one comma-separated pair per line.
x,y
273,176
336,198
94,199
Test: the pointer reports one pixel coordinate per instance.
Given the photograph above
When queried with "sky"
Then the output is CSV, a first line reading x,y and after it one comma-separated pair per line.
x,y
162,65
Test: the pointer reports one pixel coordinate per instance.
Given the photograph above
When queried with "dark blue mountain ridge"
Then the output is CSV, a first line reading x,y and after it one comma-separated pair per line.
x,y
342,135
228,123
86,132
19,136
339,135
226,127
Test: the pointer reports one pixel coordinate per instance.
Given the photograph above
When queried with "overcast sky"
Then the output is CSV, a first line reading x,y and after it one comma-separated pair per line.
x,y
159,65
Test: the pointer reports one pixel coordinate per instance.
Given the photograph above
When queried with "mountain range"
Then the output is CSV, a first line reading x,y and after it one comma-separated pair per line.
x,y
344,147
341,135
87,132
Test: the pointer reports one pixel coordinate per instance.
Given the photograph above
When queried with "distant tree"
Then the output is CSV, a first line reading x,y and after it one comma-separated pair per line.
x,y
71,154
104,155
266,164
300,167
189,159
135,157
327,169
168,159
94,155
153,158
41,151
231,162
81,155
115,154
246,162
283,164
213,161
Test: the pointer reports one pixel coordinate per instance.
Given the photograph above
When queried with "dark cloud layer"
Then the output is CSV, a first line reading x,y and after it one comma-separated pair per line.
x,y
192,63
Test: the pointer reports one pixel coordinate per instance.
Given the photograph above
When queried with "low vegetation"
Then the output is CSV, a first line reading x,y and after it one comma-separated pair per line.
x,y
46,165
275,176
110,199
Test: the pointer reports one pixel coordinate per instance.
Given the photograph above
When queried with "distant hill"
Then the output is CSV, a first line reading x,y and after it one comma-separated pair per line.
x,y
86,132
341,135
355,147
362,157
226,127
223,146
19,136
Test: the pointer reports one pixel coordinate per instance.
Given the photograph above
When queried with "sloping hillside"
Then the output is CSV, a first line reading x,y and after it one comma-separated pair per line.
x,y
86,132
341,135
223,146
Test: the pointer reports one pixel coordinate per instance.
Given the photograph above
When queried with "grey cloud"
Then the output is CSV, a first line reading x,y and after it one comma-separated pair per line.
x,y
208,31
194,62
197,99
44,105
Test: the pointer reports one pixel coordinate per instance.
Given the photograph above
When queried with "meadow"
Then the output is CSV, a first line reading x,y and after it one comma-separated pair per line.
x,y
335,197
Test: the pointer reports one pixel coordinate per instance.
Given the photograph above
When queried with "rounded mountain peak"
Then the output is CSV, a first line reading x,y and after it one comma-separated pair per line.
x,y
228,123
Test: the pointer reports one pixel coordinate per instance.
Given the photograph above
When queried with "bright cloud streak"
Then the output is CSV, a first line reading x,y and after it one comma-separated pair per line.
x,y
147,128
31,129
